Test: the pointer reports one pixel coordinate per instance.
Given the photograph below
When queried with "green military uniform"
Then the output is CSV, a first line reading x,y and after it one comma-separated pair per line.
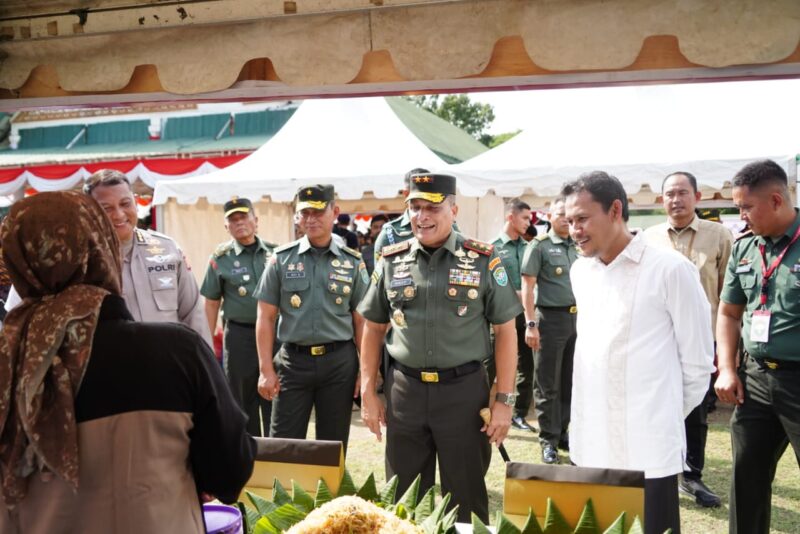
x,y
769,418
549,258
440,304
512,252
232,275
316,291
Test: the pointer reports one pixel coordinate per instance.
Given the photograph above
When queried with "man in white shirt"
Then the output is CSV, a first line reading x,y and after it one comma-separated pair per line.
x,y
644,350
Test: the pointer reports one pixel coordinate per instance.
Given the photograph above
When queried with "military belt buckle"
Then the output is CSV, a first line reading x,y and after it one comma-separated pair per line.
x,y
573,309
429,376
318,350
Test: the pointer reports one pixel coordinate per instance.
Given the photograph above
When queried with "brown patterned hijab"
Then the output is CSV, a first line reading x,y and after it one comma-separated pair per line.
x,y
62,254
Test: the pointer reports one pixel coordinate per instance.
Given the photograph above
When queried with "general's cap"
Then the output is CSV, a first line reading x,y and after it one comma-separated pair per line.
x,y
431,187
316,197
237,205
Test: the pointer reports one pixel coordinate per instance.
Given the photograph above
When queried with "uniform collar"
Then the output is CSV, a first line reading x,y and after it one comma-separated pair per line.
x,y
557,239
694,225
504,237
450,245
305,245
238,248
788,233
405,218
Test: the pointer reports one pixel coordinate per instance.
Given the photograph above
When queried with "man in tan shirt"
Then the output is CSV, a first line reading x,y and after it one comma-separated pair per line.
x,y
708,245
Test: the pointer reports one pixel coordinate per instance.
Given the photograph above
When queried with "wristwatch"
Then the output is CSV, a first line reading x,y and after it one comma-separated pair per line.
x,y
531,324
509,399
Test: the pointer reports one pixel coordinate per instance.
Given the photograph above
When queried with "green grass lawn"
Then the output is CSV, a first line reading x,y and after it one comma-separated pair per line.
x,y
365,455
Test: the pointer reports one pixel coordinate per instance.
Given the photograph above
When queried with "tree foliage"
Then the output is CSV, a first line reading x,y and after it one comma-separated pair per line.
x,y
472,117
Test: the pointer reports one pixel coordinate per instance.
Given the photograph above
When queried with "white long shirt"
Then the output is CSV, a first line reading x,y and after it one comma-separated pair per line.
x,y
643,359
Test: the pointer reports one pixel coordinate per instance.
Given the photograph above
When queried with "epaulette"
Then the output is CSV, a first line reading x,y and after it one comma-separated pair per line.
x,y
748,233
287,246
223,249
541,237
352,252
397,248
479,246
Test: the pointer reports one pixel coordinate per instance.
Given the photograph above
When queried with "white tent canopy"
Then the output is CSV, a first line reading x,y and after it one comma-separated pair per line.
x,y
640,134
357,144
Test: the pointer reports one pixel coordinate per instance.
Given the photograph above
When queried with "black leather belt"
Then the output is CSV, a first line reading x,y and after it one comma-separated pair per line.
x,y
568,309
243,325
438,375
316,350
775,365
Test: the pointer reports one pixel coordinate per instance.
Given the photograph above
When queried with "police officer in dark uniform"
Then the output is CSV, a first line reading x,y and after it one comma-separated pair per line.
x,y
233,272
313,286
439,291
551,329
762,284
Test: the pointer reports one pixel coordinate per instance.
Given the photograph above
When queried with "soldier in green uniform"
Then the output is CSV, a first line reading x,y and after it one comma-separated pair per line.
x,y
551,329
510,246
439,291
312,286
762,284
399,229
233,272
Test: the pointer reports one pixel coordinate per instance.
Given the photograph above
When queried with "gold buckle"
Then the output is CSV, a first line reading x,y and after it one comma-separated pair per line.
x,y
318,350
428,376
573,309
771,365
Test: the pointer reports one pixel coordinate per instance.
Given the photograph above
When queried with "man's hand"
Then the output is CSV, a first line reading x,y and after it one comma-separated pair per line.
x,y
729,388
268,385
497,429
532,338
373,413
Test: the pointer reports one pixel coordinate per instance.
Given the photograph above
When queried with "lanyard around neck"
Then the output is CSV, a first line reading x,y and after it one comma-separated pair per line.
x,y
767,272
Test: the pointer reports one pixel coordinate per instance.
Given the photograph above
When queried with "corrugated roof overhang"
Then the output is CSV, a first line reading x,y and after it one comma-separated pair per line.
x,y
125,51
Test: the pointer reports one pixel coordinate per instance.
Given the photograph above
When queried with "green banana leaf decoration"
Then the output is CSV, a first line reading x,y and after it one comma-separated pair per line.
x,y
284,510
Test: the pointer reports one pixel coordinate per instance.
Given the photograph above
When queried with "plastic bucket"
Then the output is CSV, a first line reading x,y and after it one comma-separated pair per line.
x,y
222,519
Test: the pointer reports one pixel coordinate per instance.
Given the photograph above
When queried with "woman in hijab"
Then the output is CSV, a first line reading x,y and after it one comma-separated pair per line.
x,y
106,425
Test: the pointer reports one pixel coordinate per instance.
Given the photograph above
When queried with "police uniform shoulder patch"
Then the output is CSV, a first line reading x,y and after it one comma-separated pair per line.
x,y
223,249
397,248
352,252
159,235
287,246
479,246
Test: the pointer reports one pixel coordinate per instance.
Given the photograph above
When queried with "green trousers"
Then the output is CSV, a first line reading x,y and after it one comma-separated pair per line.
x,y
761,430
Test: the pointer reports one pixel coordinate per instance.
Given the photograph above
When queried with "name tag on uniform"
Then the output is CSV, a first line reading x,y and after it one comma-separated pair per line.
x,y
340,278
400,282
240,270
759,326
295,274
744,268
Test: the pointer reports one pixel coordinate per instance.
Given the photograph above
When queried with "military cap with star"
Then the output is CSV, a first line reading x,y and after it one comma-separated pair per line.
x,y
237,205
315,196
431,187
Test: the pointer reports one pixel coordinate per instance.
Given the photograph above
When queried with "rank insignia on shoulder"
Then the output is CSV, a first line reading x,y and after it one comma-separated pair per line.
x,y
479,247
391,250
223,249
353,252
